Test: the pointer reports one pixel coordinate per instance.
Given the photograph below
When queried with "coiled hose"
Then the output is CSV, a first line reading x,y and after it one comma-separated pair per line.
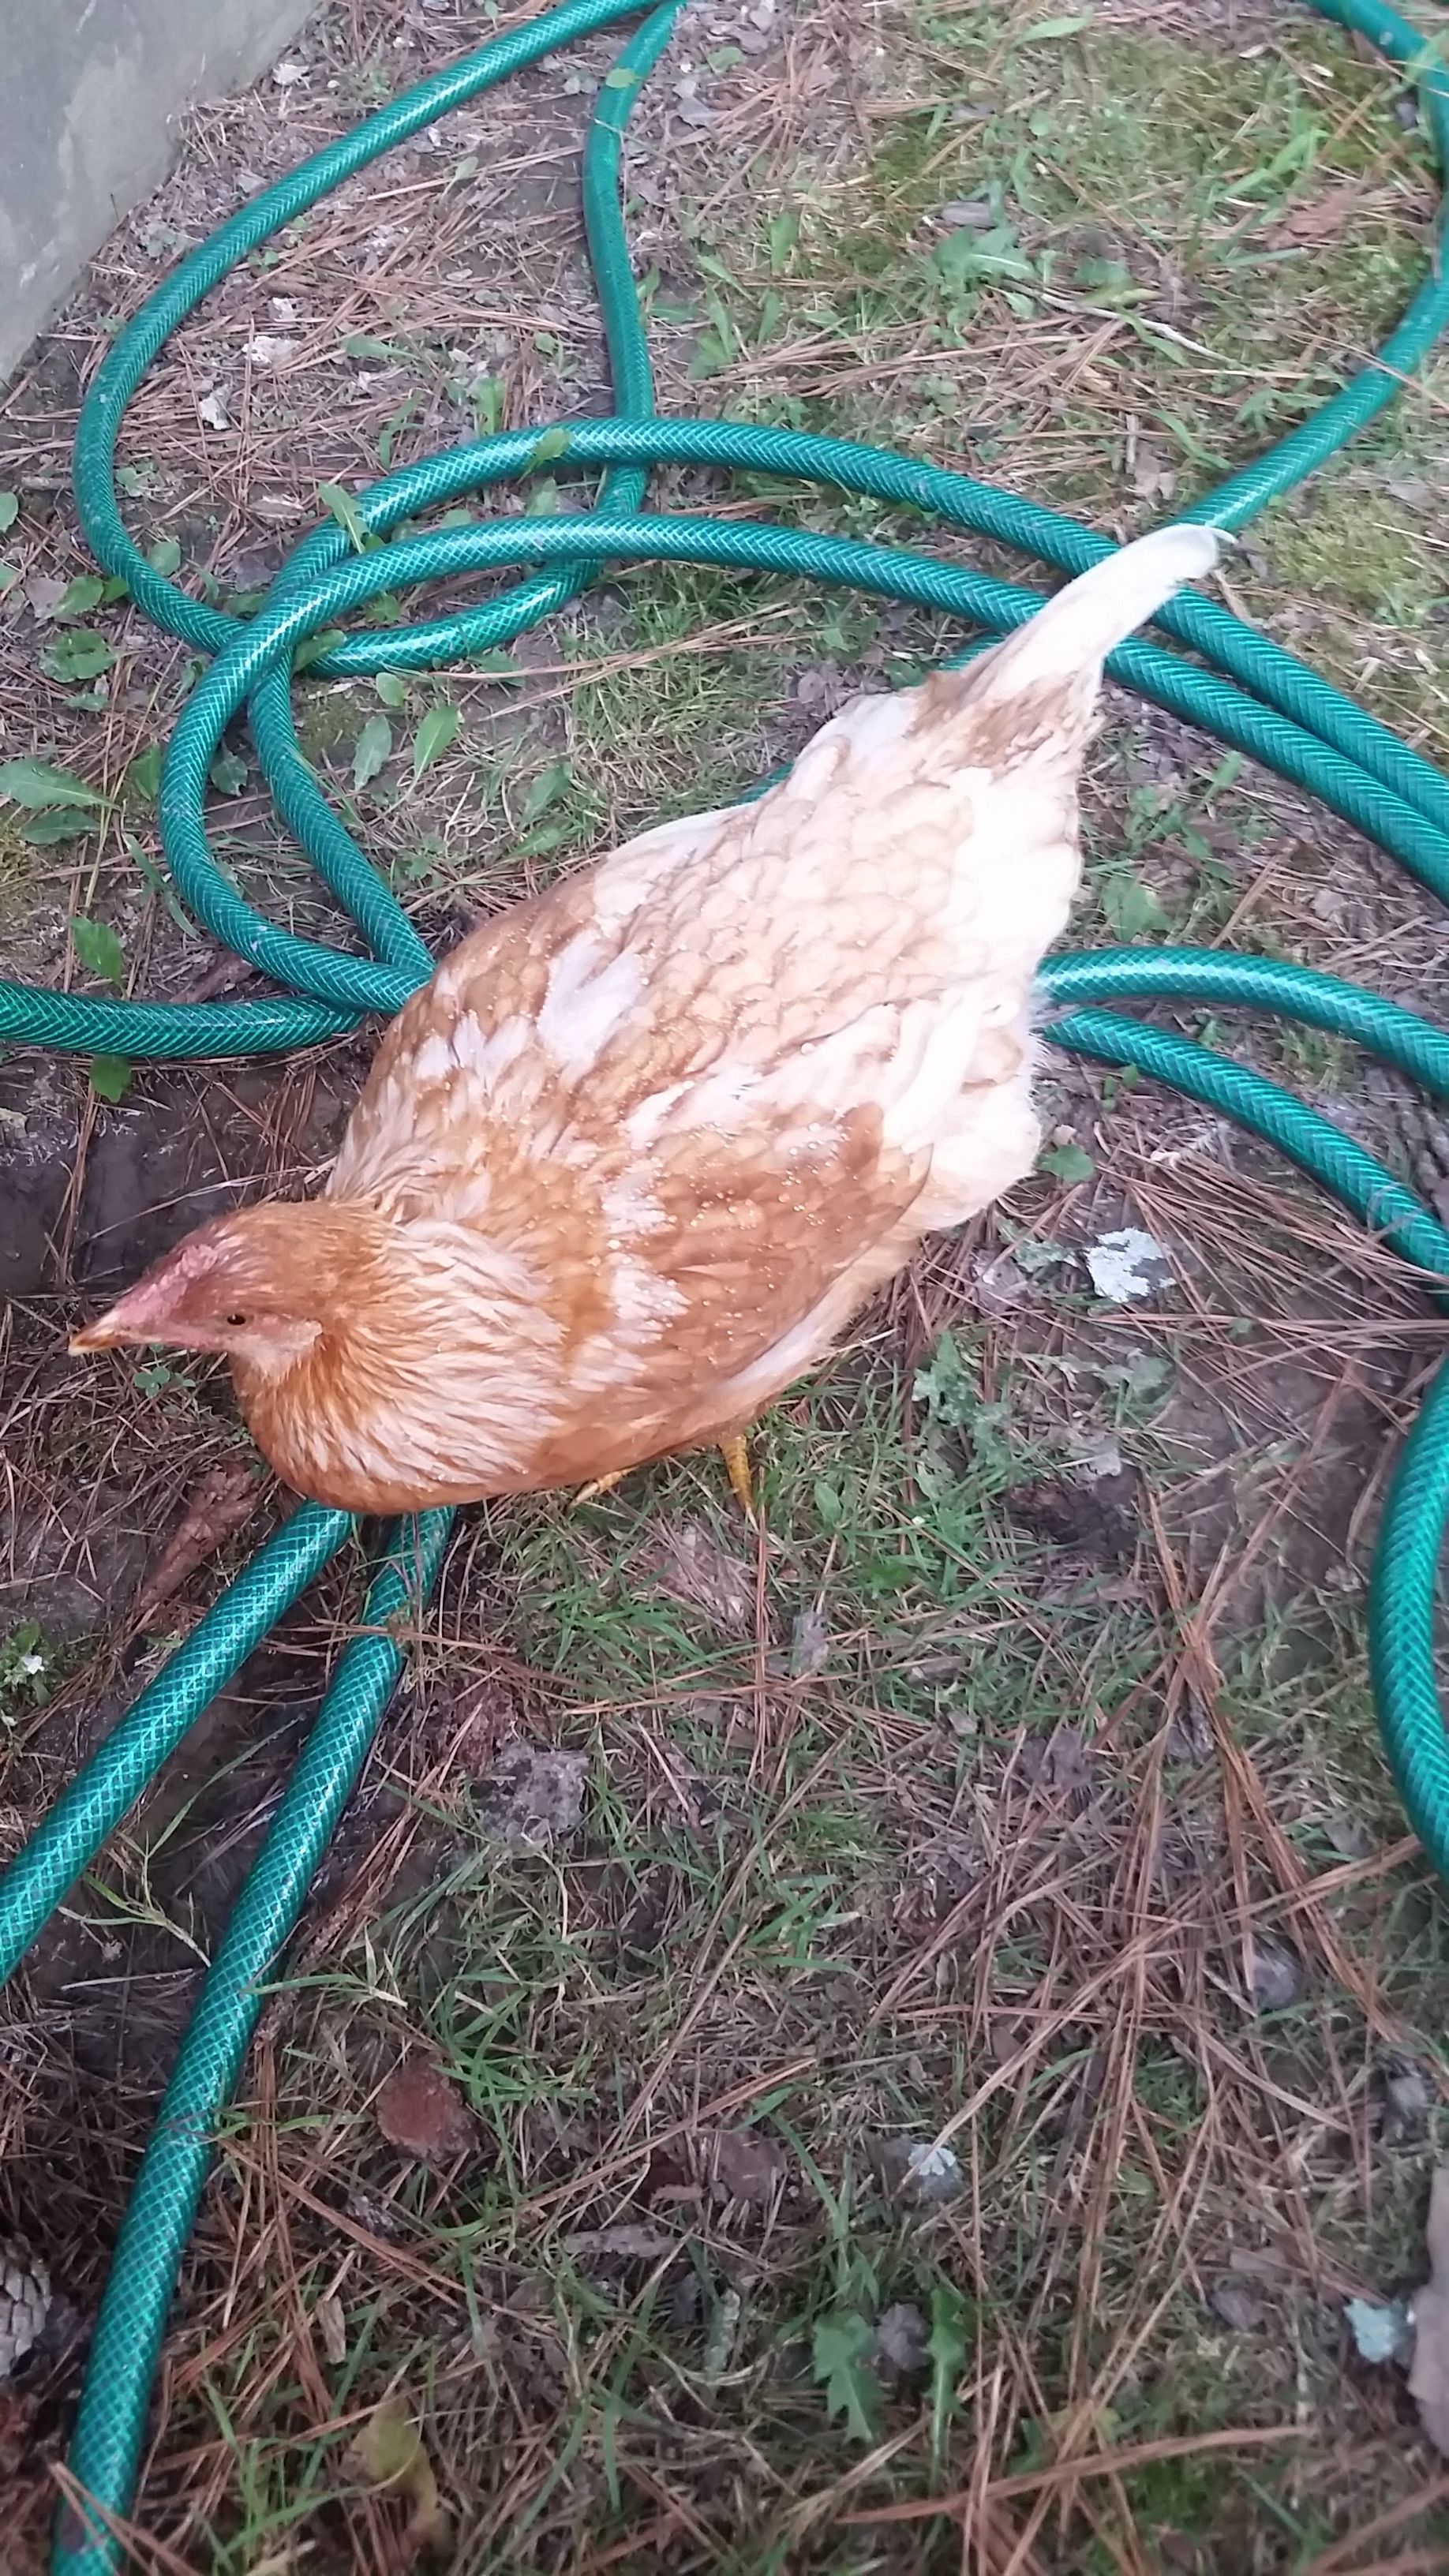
x,y
1240,687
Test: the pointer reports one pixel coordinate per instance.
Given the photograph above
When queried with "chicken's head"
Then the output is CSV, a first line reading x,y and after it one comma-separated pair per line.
x,y
262,1286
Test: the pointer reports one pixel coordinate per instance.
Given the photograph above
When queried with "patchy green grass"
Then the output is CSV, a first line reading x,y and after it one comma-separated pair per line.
x,y
966,1868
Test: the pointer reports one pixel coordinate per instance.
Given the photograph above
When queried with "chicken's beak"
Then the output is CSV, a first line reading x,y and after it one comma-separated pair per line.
x,y
105,1334
140,1316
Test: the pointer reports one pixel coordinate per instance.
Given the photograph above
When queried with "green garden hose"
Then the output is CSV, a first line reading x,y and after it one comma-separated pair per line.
x,y
1240,687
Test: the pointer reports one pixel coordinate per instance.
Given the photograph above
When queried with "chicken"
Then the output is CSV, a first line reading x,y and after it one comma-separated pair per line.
x,y
631,1160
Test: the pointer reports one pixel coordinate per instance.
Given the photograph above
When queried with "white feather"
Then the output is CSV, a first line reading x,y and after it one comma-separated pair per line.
x,y
1099,610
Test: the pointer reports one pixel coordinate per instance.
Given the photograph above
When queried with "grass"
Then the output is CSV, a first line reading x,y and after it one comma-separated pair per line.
x,y
1015,1786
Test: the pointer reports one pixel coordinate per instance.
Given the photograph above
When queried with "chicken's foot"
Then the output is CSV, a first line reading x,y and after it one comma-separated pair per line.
x,y
600,1485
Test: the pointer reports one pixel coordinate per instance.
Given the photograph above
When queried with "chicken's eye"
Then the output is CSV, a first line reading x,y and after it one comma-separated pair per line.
x,y
234,1319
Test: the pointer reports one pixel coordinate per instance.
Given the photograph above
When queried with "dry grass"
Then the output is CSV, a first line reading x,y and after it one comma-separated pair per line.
x,y
959,1806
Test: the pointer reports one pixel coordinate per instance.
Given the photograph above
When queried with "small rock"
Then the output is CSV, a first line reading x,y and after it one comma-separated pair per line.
x,y
910,2171
1380,2333
529,1797
1409,2098
809,1644
1101,1458
934,2173
966,215
212,411
25,2301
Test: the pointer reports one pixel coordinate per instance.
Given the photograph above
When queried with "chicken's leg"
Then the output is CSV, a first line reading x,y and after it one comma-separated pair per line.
x,y
736,1455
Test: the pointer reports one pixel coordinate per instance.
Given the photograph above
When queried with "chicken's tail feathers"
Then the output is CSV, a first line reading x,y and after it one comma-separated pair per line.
x,y
1072,635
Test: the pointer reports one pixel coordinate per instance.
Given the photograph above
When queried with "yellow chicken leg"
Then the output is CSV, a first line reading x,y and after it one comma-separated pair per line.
x,y
600,1485
736,1455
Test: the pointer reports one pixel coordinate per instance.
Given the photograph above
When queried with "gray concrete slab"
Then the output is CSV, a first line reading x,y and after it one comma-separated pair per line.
x,y
88,101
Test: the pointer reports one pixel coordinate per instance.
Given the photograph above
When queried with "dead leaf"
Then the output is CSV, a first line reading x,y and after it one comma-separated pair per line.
x,y
636,2242
218,1503
1429,2309
1277,1976
1095,1515
724,2328
998,1283
476,1719
1351,1837
809,1644
1152,475
44,592
1060,1761
821,684
529,1796
1190,1735
224,975
1320,219
687,1562
1237,2303
1260,2263
1005,2035
389,2456
901,2342
744,2165
421,2112
332,2326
